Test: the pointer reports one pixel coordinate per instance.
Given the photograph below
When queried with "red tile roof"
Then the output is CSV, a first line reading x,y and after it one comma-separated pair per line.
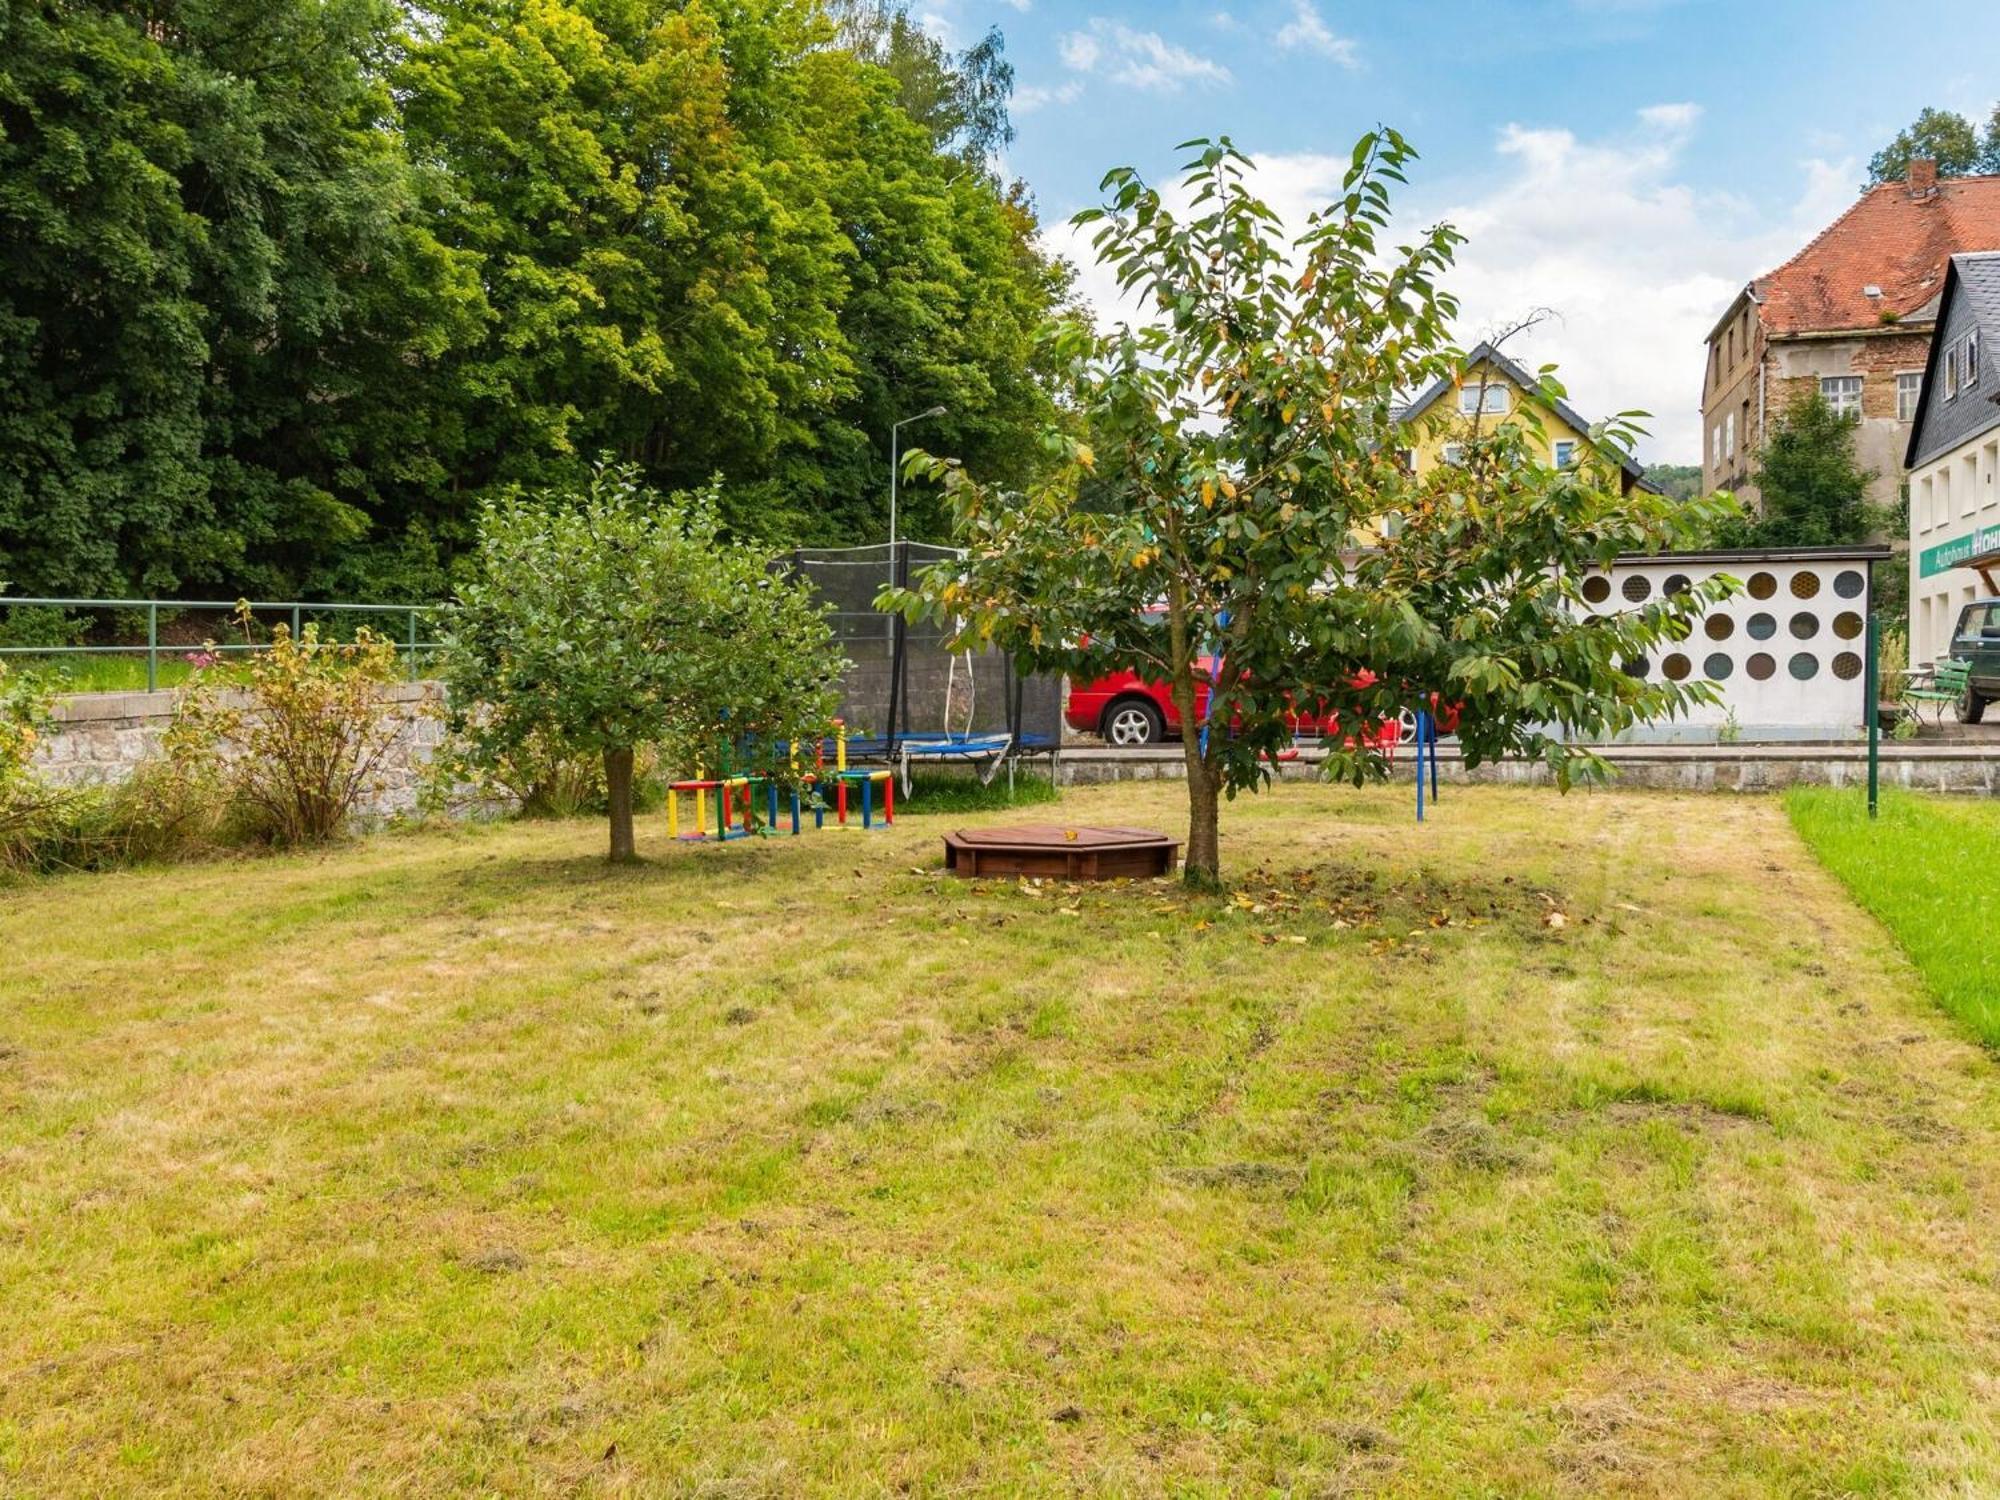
x,y
1887,239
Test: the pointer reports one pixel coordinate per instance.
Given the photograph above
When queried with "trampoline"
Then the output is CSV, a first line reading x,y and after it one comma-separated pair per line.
x,y
906,698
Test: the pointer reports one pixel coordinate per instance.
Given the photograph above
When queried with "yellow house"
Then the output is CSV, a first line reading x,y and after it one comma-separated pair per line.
x,y
1489,390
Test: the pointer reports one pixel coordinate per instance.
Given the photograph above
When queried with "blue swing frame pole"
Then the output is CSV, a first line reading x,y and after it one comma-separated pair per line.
x,y
1422,737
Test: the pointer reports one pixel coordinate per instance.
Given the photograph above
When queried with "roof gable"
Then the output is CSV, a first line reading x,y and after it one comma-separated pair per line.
x,y
1890,238
1970,298
1487,353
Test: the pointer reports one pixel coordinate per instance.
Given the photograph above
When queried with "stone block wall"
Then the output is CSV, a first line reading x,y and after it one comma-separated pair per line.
x,y
98,739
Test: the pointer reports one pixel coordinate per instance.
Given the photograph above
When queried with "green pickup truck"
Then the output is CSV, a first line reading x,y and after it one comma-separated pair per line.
x,y
1975,647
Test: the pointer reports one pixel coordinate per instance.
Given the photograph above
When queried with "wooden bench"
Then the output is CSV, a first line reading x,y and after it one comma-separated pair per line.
x,y
1947,686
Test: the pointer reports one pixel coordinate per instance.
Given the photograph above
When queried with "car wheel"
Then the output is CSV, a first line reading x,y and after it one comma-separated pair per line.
x,y
1133,722
1971,708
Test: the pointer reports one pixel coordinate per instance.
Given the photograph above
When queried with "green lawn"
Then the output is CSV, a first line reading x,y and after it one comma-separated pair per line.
x,y
1929,867
1583,1147
103,673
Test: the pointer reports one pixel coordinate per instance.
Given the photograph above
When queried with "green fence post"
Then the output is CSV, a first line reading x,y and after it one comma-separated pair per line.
x,y
153,646
295,624
413,645
1873,692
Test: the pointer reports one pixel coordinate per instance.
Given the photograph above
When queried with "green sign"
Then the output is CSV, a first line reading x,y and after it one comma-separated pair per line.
x,y
1960,550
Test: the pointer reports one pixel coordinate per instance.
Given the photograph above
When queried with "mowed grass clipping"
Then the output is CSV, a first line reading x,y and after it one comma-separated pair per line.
x,y
1929,868
1596,1146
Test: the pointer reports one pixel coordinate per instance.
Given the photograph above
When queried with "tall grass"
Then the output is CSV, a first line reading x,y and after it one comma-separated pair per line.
x,y
947,791
1929,870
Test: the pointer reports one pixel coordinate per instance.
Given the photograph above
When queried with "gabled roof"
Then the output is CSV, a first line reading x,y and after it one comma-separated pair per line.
x,y
1489,354
1975,281
1891,238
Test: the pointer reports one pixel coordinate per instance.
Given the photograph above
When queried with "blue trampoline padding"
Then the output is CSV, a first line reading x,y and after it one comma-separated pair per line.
x,y
955,744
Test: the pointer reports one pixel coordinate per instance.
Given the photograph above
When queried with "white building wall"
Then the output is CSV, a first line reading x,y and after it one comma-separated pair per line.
x,y
1954,514
1786,652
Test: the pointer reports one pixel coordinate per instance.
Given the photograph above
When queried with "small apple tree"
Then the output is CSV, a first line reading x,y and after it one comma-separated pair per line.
x,y
1242,454
597,623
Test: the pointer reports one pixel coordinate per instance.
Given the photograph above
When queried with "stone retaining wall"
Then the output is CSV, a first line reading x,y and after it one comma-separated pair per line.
x,y
99,738
1968,769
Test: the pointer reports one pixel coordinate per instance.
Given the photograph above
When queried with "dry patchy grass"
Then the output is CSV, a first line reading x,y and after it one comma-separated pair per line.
x,y
1594,1146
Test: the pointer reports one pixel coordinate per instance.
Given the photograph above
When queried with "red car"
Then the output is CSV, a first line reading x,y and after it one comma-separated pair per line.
x,y
1127,710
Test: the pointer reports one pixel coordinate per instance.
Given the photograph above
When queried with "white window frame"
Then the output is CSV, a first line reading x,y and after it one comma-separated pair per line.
x,y
1452,453
1729,434
1910,384
1951,373
1969,362
1563,450
1846,401
1483,398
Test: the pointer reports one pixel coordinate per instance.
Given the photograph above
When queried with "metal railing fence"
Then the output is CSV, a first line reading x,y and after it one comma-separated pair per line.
x,y
300,612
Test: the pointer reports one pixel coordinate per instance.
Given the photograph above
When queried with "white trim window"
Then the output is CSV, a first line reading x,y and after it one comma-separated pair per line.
x,y
1969,358
1842,393
1565,453
1909,389
1951,373
1729,435
1452,453
1482,398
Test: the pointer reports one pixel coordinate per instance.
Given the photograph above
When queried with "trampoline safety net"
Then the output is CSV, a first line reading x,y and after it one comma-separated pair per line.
x,y
903,683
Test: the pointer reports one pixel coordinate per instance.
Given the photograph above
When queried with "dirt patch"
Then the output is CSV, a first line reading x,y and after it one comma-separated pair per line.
x,y
1250,1175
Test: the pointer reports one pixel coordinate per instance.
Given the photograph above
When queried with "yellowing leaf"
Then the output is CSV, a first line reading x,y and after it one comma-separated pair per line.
x,y
1086,457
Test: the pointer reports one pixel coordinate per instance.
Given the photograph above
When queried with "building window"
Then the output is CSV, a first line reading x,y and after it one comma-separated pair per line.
x,y
1715,448
1951,373
1909,386
1452,453
1969,360
1565,451
1484,399
1406,460
1842,393
1729,434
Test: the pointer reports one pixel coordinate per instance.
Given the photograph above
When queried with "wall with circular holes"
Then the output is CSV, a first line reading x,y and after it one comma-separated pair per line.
x,y
1786,651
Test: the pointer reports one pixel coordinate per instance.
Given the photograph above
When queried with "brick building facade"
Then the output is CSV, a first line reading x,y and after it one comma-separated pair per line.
x,y
1850,316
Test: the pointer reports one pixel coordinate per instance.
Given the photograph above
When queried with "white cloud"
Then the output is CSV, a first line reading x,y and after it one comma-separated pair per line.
x,y
1080,51
1308,29
1033,96
1634,263
1671,117
1137,59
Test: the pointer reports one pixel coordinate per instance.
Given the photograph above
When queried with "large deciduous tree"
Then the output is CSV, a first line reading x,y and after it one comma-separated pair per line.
x,y
1811,486
1944,136
1241,457
599,622
220,297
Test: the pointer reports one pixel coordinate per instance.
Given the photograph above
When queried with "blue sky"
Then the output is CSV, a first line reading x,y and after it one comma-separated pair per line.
x,y
1626,164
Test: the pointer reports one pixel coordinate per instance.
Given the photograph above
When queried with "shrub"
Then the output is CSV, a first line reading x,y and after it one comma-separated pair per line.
x,y
293,736
26,805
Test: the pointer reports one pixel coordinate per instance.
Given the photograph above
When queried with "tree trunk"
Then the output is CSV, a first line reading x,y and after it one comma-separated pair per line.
x,y
1203,865
618,788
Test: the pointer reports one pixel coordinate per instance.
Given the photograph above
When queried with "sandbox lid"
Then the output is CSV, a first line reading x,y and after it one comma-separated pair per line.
x,y
1054,849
